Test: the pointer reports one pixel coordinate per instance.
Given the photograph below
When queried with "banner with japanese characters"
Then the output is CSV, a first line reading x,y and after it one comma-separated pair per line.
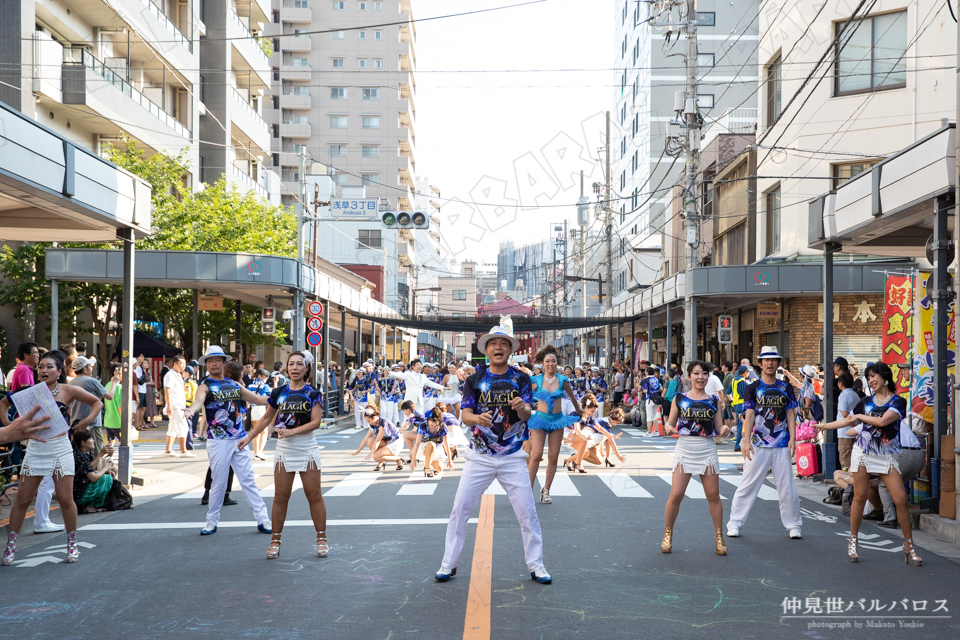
x,y
922,390
898,329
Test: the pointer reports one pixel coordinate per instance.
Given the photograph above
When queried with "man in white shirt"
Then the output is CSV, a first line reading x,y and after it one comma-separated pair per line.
x,y
415,382
174,406
846,403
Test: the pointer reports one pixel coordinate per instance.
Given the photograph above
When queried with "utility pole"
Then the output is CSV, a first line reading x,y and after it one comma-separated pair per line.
x,y
608,195
296,323
582,213
692,152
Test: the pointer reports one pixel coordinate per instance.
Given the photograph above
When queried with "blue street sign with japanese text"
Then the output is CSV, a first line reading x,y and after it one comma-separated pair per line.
x,y
355,208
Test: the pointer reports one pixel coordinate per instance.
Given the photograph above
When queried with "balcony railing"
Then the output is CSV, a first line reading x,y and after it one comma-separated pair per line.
x,y
162,17
246,182
253,40
108,74
250,110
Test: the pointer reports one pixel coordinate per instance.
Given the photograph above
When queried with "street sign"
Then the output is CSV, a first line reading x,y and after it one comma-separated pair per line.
x,y
210,303
314,339
314,308
314,323
355,208
268,327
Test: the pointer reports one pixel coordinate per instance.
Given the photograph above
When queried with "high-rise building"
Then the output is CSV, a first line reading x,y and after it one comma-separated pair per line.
x,y
344,89
651,70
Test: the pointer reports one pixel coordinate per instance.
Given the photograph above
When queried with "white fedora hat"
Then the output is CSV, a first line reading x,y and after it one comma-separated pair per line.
x,y
214,351
497,332
769,352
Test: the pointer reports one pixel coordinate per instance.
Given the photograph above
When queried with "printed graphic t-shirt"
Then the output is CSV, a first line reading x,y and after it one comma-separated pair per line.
x,y
486,392
880,440
696,416
293,405
224,410
770,403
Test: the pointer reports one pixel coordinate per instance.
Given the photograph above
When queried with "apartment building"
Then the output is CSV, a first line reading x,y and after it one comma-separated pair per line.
x,y
457,298
345,92
650,70
177,77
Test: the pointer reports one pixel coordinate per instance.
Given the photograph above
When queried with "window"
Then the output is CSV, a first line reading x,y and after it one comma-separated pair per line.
x,y
276,159
276,102
338,35
843,172
301,62
340,179
461,340
870,55
338,93
369,178
370,122
377,6
299,91
623,180
292,119
735,243
363,6
378,35
370,151
338,122
363,63
706,19
377,64
338,6
459,294
302,4
275,17
774,90
705,100
276,130
773,221
363,35
635,162
338,151
369,238
338,63
705,59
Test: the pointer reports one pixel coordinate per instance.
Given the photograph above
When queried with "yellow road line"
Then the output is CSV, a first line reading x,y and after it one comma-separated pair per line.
x,y
477,623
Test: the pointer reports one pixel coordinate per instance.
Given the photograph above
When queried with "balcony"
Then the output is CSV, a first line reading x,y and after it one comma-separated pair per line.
x,y
295,130
293,101
406,254
408,116
99,90
295,43
407,168
245,183
289,159
296,16
294,73
408,59
249,121
407,140
405,197
247,54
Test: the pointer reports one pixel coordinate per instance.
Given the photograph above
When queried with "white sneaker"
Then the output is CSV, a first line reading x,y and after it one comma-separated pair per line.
x,y
540,575
53,527
795,534
732,531
172,454
188,454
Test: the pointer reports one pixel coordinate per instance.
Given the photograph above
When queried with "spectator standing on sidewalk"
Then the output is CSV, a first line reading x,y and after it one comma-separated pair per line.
x,y
175,407
28,356
84,379
112,408
140,375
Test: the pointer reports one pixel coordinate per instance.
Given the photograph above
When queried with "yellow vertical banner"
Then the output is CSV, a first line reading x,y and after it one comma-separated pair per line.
x,y
922,388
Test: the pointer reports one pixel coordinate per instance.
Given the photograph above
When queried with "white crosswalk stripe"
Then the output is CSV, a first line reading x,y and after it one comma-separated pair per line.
x,y
623,486
766,492
694,488
420,485
270,490
562,484
632,432
354,484
495,489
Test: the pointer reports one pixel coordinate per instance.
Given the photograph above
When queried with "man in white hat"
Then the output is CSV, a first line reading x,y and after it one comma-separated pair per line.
x,y
220,398
414,382
496,406
769,438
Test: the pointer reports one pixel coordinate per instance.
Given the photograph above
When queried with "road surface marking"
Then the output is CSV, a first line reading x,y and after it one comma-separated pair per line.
x,y
694,488
495,489
766,492
139,526
476,625
623,486
562,484
354,484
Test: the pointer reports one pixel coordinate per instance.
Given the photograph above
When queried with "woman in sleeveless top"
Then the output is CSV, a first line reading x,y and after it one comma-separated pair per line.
x,y
697,418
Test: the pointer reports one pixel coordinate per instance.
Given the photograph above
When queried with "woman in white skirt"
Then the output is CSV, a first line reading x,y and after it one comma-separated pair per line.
x,y
433,437
451,395
697,418
878,417
51,458
383,438
455,435
295,410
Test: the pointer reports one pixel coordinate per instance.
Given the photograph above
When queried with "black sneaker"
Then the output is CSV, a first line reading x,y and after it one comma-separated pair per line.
x,y
874,515
206,498
889,524
227,501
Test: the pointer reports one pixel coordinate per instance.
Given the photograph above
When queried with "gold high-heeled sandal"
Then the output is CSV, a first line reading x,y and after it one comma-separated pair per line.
x,y
323,548
666,545
721,545
852,554
273,551
910,555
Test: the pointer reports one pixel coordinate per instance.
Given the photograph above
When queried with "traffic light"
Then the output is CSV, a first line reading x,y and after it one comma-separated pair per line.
x,y
405,220
268,327
725,329
268,313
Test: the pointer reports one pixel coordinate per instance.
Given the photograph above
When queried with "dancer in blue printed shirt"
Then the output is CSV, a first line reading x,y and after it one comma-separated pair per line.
x,y
496,407
383,438
697,418
432,435
877,418
598,387
769,438
590,432
361,387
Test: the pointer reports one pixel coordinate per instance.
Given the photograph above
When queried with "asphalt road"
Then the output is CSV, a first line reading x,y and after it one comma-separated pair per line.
x,y
146,573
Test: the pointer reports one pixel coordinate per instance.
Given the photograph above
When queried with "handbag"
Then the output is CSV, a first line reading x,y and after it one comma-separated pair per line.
x,y
834,496
118,498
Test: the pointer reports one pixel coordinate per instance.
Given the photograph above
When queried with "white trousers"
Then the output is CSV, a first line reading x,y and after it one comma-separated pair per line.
x,y
390,411
600,408
358,407
41,516
429,404
754,473
652,408
479,472
224,454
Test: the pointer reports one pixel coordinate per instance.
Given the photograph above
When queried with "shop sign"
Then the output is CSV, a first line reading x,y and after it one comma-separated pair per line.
x,y
768,310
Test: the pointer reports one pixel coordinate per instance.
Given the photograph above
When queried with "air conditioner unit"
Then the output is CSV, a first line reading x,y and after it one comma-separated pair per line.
x,y
519,283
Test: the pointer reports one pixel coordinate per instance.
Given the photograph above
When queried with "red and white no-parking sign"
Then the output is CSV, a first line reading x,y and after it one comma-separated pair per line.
x,y
314,339
314,308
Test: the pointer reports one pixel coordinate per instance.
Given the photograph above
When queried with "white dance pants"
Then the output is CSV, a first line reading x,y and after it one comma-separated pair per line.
x,y
754,473
223,454
41,518
479,472
429,404
652,409
389,410
358,407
